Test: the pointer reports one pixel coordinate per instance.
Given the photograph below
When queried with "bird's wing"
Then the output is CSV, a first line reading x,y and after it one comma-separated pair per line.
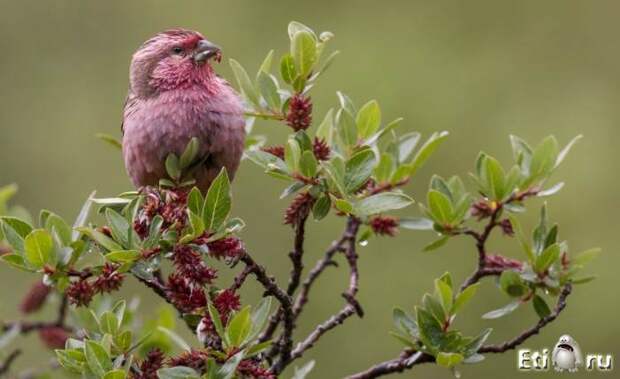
x,y
128,108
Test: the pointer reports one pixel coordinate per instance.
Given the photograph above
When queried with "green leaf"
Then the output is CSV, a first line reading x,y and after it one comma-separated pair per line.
x,y
406,145
525,245
448,359
415,223
358,169
269,90
335,169
177,339
433,305
405,323
244,82
343,206
178,372
512,284
82,217
541,307
308,164
302,373
321,207
218,202
103,240
239,327
55,223
440,207
189,154
326,128
551,191
431,331
295,26
195,201
115,374
384,169
509,308
346,103
123,256
108,323
347,130
427,150
473,346
585,257
228,370
544,158
112,141
381,202
259,318
368,119
39,248
16,261
436,244
547,258
173,168
217,321
266,65
266,160
303,49
292,154
445,294
97,357
464,297
496,178
21,227
119,227
287,69
565,150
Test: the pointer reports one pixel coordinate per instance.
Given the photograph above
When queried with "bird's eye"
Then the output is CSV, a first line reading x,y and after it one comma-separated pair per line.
x,y
177,50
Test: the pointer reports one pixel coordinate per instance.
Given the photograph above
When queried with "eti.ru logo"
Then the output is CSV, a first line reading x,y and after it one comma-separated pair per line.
x,y
565,356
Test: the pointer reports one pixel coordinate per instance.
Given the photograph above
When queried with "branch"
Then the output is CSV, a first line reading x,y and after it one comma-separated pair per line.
x,y
518,340
296,255
352,306
6,365
407,359
318,269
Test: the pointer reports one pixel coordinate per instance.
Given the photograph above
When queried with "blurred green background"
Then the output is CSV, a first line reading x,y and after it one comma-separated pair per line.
x,y
479,69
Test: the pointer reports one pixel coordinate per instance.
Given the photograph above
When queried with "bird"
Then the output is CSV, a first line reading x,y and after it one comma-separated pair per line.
x,y
567,354
175,96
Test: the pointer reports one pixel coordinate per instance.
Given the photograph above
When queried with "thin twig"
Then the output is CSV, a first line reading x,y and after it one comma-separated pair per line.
x,y
6,365
350,308
318,269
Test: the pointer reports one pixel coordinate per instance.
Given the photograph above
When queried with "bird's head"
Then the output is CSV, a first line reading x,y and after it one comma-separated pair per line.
x,y
173,59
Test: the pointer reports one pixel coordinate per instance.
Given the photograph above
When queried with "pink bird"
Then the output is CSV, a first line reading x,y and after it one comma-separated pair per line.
x,y
174,96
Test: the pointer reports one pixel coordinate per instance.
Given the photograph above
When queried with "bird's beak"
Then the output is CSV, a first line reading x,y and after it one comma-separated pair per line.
x,y
206,50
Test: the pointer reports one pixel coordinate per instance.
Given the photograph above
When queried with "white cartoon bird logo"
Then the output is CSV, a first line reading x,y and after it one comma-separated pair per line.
x,y
567,354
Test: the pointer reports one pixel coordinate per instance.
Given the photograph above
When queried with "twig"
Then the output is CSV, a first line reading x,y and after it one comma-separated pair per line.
x,y
352,306
518,340
297,255
318,269
404,362
6,365
240,278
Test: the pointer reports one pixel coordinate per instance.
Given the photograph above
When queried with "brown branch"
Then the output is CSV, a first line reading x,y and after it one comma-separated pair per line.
x,y
240,278
6,365
518,340
318,269
485,268
351,307
297,255
407,359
